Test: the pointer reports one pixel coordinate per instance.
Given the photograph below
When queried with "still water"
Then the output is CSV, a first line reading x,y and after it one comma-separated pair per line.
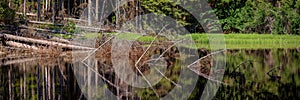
x,y
249,74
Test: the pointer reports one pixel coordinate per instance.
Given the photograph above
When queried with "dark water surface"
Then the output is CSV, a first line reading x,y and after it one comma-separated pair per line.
x,y
249,74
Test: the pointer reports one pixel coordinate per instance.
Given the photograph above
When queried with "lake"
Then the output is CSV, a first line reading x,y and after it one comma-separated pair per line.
x,y
249,74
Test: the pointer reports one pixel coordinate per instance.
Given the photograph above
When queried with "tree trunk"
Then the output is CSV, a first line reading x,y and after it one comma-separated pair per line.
x,y
102,11
43,8
69,7
53,11
46,6
51,43
17,61
117,14
9,5
20,45
39,10
24,7
89,12
97,10
61,8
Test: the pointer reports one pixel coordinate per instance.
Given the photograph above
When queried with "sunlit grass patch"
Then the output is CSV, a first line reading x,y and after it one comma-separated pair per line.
x,y
248,41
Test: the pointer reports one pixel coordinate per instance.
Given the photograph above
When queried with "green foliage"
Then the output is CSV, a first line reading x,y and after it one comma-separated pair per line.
x,y
70,27
7,15
281,17
166,8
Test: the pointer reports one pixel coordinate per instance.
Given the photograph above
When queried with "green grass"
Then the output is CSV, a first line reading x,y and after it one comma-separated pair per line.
x,y
248,41
233,41
135,37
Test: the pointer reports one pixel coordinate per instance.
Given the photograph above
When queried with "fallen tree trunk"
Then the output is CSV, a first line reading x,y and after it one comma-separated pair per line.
x,y
43,42
20,45
56,39
97,29
46,23
17,61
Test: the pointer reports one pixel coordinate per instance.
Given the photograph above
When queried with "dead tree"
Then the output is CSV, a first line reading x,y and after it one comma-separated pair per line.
x,y
43,42
39,10
24,7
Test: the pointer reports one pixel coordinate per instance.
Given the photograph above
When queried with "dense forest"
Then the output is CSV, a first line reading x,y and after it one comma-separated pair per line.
x,y
236,16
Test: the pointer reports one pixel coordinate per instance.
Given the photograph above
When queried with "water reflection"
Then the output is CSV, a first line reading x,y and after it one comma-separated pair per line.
x,y
39,79
262,74
250,74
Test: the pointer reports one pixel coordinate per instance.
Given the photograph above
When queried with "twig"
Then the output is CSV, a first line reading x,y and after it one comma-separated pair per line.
x,y
242,63
268,73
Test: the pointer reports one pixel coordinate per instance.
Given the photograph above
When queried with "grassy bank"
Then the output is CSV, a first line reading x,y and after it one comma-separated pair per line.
x,y
249,41
233,41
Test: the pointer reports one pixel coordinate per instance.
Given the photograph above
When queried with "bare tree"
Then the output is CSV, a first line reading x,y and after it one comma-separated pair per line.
x,y
61,8
46,6
9,1
102,10
39,10
53,11
97,10
24,7
117,14
69,7
89,12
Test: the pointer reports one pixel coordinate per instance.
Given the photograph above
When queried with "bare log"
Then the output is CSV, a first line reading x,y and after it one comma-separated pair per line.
x,y
43,42
20,45
27,14
18,61
2,53
97,29
77,26
60,40
46,23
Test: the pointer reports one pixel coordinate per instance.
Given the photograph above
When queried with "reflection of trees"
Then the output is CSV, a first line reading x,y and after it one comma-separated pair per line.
x,y
246,75
258,83
31,80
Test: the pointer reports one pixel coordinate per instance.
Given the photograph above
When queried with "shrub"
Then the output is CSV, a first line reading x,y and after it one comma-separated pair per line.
x,y
7,15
